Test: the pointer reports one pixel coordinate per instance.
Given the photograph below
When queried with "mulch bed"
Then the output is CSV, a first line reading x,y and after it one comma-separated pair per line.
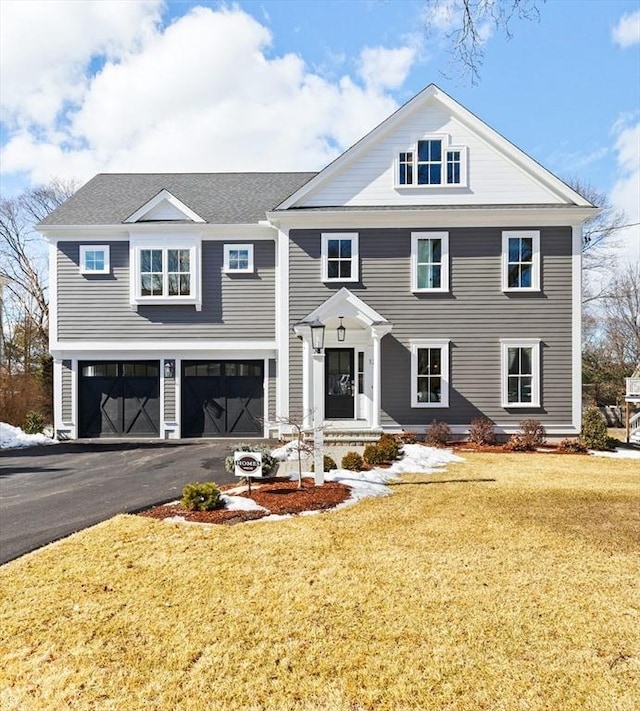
x,y
279,497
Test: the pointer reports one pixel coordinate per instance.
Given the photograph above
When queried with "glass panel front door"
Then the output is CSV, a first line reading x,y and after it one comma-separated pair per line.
x,y
339,384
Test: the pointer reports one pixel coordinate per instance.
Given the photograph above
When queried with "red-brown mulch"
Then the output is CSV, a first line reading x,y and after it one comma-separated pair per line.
x,y
279,497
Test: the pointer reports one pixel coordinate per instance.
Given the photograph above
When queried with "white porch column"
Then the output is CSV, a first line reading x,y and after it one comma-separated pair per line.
x,y
318,418
376,370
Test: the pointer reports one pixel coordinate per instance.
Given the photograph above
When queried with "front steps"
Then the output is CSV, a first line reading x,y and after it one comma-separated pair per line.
x,y
346,438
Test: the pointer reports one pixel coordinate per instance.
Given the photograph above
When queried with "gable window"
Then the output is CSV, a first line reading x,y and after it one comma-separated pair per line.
x,y
238,258
429,373
340,256
429,261
94,259
432,162
521,260
520,373
165,270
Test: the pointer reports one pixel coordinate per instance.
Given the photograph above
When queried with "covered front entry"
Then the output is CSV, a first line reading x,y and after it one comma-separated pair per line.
x,y
119,399
339,384
222,398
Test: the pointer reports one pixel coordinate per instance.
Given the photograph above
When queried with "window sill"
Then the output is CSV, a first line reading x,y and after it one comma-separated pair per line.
x,y
238,271
440,290
430,405
165,301
430,186
344,281
98,272
522,290
521,405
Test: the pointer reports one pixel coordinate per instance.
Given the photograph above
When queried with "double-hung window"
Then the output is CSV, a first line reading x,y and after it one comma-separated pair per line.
x,y
429,373
340,256
520,373
238,258
165,270
429,261
521,260
431,161
94,259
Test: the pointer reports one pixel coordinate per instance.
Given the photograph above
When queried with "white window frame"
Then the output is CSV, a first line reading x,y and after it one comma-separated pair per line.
x,y
447,147
355,257
166,242
444,264
228,248
443,345
534,235
84,248
534,345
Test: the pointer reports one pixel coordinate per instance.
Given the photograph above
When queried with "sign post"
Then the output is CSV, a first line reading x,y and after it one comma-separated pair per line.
x,y
247,465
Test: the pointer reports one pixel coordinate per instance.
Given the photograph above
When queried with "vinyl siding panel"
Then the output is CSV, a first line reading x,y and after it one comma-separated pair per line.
x,y
492,178
272,384
170,399
475,315
67,391
96,307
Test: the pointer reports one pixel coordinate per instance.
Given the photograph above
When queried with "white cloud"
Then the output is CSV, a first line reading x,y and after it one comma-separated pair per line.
x,y
627,32
625,194
202,94
385,68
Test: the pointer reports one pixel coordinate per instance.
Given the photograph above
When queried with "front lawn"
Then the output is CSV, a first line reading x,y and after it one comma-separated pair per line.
x,y
509,581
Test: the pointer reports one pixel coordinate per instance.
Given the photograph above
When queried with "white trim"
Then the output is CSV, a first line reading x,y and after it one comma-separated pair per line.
x,y
443,345
169,349
53,294
114,233
266,425
282,325
74,398
345,303
555,430
355,256
57,395
84,248
433,94
444,263
446,147
238,247
534,236
164,196
576,327
534,344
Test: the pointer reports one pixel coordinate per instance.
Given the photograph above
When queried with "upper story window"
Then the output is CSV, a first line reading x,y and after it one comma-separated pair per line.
x,y
238,258
165,270
429,261
340,256
94,259
432,162
429,373
520,373
521,260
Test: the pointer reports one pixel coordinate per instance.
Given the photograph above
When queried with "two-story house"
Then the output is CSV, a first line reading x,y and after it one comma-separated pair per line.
x,y
443,262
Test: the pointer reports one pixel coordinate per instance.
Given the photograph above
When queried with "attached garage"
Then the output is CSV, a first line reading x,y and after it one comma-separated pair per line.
x,y
119,399
222,398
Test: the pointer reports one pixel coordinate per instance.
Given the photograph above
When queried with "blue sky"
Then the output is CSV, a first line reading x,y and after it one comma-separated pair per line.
x,y
285,85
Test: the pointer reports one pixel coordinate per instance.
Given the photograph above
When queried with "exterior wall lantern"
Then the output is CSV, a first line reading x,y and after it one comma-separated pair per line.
x,y
342,331
317,336
169,369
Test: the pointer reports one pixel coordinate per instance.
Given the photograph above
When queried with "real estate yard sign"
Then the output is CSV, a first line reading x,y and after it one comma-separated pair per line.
x,y
248,465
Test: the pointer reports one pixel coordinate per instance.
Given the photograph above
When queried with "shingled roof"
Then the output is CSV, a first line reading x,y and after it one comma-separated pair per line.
x,y
219,198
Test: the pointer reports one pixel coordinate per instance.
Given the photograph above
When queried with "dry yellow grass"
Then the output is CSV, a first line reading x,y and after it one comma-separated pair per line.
x,y
507,582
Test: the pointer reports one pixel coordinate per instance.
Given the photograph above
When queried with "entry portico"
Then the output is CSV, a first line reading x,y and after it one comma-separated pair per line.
x,y
343,385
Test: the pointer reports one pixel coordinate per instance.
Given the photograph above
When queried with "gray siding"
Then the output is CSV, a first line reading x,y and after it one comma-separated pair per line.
x,y
67,397
96,307
170,399
475,315
272,389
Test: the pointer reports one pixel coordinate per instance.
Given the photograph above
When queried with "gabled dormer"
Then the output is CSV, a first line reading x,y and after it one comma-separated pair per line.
x,y
164,207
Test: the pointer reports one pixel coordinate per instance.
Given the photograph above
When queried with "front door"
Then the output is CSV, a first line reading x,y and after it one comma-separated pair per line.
x,y
339,384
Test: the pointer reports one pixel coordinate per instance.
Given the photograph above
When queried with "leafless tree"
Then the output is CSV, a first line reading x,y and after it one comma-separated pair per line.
x,y
469,22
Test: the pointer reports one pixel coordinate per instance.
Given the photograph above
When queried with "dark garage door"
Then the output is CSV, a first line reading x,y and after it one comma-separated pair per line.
x,y
119,399
222,398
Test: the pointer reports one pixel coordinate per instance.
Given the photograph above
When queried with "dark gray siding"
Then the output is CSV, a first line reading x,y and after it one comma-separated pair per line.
x,y
475,315
67,398
170,399
239,306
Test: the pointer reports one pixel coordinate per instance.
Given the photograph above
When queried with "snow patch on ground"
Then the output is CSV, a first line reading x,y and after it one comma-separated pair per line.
x,y
240,503
618,453
289,452
13,437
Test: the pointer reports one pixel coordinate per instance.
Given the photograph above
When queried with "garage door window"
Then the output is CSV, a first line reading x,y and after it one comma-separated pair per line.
x,y
100,370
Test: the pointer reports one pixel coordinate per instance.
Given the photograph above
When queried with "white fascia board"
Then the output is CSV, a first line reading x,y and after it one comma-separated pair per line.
x,y
441,218
89,233
113,349
576,327
164,196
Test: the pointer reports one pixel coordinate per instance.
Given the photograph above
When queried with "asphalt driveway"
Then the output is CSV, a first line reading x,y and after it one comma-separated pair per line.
x,y
48,492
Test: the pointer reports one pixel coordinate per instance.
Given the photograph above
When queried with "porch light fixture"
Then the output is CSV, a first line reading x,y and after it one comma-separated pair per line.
x,y
342,331
317,336
169,369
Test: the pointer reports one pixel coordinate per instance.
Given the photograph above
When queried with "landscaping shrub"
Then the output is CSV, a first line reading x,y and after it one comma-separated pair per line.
x,y
268,462
388,448
33,422
594,429
571,446
518,443
438,434
533,432
328,462
407,437
372,454
201,497
481,431
352,461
